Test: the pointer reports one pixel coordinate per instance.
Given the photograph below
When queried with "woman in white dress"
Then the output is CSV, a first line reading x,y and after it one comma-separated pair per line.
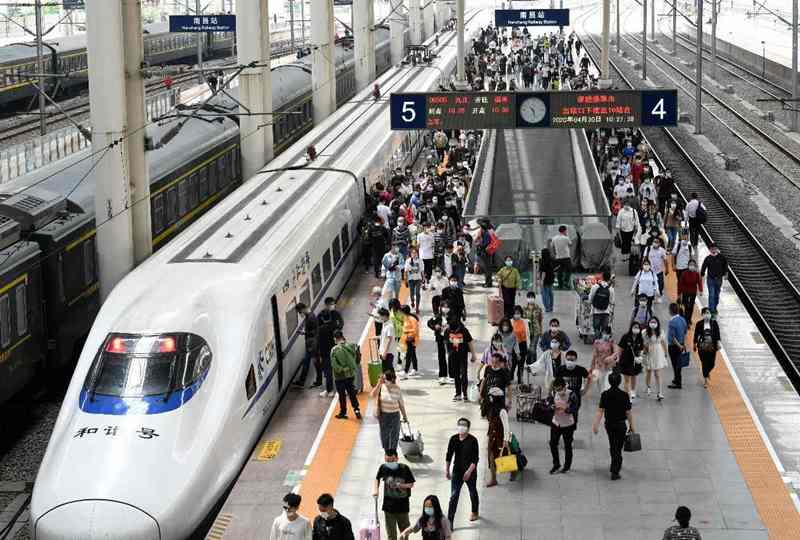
x,y
655,357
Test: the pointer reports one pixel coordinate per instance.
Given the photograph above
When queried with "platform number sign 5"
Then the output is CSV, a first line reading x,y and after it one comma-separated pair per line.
x,y
408,111
659,107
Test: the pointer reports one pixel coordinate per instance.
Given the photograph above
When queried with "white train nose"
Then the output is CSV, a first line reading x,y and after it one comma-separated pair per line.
x,y
95,520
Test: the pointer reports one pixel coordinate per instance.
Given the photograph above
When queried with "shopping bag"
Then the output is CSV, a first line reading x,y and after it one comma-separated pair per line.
x,y
514,445
494,309
686,359
473,393
633,442
506,463
522,461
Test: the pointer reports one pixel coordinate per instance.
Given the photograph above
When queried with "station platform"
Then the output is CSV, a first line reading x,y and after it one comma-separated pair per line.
x,y
707,449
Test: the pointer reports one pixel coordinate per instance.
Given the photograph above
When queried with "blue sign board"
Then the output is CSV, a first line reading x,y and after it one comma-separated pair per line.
x,y
202,23
73,4
509,110
531,17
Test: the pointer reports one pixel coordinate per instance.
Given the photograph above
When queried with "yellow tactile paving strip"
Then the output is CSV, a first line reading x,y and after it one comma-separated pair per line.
x,y
773,501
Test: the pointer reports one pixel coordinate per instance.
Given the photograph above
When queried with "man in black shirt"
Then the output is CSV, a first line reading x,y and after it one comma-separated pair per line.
x,y
397,483
574,375
615,404
330,524
459,343
329,321
463,451
311,332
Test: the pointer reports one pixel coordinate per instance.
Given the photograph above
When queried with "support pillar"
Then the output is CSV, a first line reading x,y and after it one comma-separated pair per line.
x,y
415,22
364,42
427,20
461,77
605,75
252,36
698,95
795,104
674,27
714,39
644,39
266,83
109,117
396,28
323,60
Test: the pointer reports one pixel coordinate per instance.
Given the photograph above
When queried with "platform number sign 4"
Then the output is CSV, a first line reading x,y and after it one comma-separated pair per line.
x,y
408,111
659,107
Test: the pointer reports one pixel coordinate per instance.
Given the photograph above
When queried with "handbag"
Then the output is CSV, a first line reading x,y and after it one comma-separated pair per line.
x,y
633,442
506,463
617,240
542,413
514,445
685,359
522,461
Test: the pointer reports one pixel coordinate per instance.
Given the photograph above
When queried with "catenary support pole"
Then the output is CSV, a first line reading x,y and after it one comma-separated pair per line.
x,y
108,112
618,38
252,82
606,43
714,38
364,42
291,24
652,20
698,94
41,68
427,20
415,22
303,22
644,39
199,37
396,29
795,104
323,60
674,27
460,68
266,83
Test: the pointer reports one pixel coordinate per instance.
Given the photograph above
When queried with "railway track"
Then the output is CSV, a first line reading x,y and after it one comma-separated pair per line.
x,y
769,295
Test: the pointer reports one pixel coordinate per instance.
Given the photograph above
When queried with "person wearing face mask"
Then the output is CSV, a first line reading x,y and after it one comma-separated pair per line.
x,y
604,357
439,281
673,223
498,436
310,330
654,356
458,261
689,285
462,451
620,189
379,241
523,338
509,280
398,480
657,256
666,187
648,192
564,405
438,324
645,283
454,296
410,341
496,346
330,524
425,243
549,361
533,314
627,225
601,298
676,340
413,272
387,347
707,343
631,346
546,279
682,254
393,264
460,346
716,265
496,375
440,241
615,406
330,321
562,248
506,330
290,525
390,408
577,378
432,523
554,333
401,237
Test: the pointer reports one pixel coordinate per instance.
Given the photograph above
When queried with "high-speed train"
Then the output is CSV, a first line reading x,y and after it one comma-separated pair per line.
x,y
68,56
48,279
192,351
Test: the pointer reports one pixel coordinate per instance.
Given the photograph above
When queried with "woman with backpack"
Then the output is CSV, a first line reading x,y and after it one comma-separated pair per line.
x,y
706,343
682,253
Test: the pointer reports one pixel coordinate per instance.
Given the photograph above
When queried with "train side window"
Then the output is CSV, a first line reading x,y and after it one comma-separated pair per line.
x,y
193,191
183,197
222,169
345,237
250,383
337,251
202,184
5,320
172,205
89,273
291,318
158,213
22,309
305,296
237,163
316,280
326,264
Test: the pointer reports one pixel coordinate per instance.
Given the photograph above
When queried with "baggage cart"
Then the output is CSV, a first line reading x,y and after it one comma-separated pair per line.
x,y
525,403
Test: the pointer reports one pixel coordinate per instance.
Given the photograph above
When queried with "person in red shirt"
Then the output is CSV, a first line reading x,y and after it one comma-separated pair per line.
x,y
689,284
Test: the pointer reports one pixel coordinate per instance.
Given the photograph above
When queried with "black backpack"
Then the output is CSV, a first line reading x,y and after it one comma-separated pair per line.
x,y
701,215
602,298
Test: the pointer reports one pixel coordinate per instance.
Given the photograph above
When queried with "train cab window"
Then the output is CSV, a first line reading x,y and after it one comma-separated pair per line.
x,y
337,251
316,280
193,191
22,309
89,266
326,264
183,197
158,213
202,184
345,237
134,365
250,383
291,318
5,320
172,205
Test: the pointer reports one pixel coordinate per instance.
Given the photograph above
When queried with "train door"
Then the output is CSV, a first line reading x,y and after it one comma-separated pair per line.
x,y
279,354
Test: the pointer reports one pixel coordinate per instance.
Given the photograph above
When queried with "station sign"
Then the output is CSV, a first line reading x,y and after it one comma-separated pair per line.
x,y
202,23
73,4
531,17
520,110
342,2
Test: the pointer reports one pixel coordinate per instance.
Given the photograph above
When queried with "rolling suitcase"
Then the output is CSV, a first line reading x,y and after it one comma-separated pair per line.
x,y
410,443
371,527
494,309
